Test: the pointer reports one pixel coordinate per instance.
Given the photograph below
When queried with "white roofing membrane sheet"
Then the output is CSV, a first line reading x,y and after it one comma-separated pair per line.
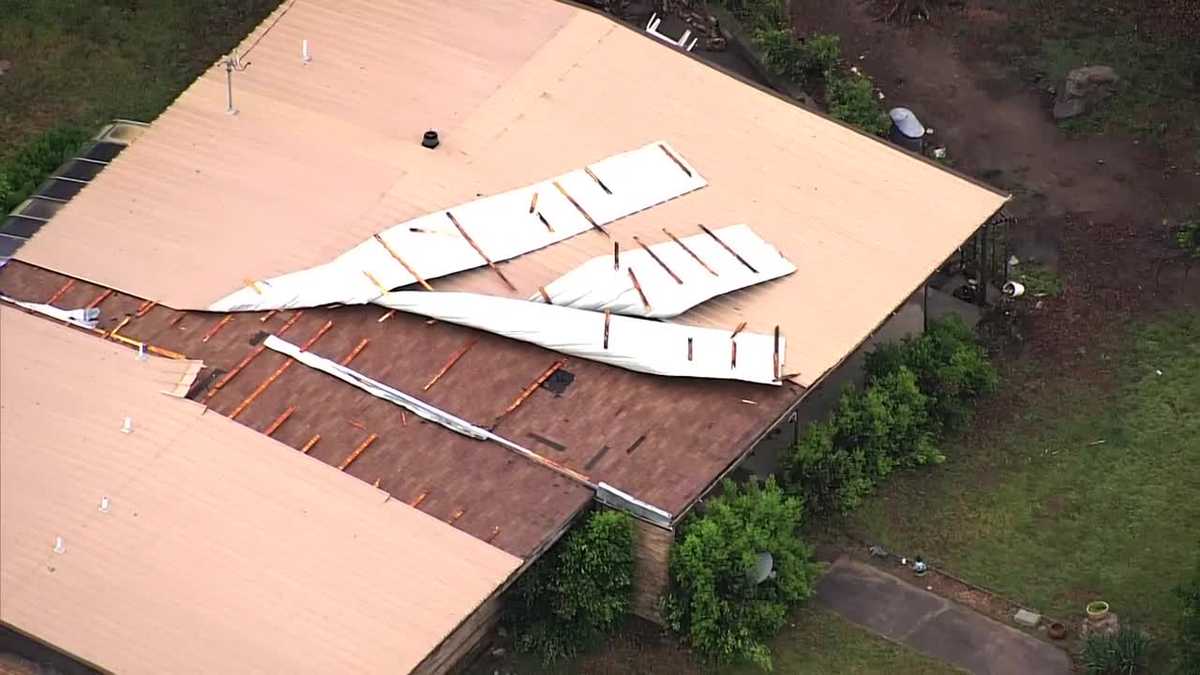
x,y
500,226
672,276
642,345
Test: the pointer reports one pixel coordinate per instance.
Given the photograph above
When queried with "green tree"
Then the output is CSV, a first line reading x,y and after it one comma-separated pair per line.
x,y
714,603
578,591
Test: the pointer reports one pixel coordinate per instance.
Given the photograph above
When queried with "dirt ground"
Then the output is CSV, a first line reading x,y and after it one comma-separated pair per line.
x,y
1095,208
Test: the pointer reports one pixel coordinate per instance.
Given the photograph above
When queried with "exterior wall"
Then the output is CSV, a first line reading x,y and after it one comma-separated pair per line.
x,y
460,647
652,550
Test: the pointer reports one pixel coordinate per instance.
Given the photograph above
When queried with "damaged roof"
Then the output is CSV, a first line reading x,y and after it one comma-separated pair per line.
x,y
324,154
661,440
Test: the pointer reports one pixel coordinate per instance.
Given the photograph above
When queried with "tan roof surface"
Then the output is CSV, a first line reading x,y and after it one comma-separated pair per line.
x,y
321,156
222,549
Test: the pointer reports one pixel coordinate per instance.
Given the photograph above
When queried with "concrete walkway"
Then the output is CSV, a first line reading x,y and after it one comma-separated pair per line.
x,y
933,625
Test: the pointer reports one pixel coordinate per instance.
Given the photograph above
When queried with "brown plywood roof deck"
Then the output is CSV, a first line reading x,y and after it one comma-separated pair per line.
x,y
662,440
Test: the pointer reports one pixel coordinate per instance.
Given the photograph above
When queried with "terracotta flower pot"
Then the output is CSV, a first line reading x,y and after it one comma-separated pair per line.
x,y
1056,631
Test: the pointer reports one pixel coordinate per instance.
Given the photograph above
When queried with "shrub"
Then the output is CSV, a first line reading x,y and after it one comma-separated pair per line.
x,y
1121,654
952,369
578,592
830,476
713,602
1189,624
1040,281
782,54
1187,237
758,15
891,417
797,60
822,51
22,174
851,99
871,432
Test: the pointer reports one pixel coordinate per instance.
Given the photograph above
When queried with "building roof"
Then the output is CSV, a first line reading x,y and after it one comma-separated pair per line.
x,y
662,440
219,545
322,155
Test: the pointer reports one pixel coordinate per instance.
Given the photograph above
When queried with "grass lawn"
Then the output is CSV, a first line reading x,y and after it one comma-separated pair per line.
x,y
1089,494
821,643
1158,99
80,63
817,642
83,62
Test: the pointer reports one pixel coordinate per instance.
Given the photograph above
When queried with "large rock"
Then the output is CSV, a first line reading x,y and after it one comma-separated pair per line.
x,y
1083,89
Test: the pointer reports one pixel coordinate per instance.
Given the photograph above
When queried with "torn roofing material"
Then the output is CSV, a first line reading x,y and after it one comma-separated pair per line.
x,y
642,345
519,90
480,232
661,440
672,276
415,405
143,536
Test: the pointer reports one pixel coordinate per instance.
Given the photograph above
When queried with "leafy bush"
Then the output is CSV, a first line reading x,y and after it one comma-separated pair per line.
x,y
22,174
916,389
758,15
1187,237
832,477
1040,281
851,99
578,591
1189,624
713,602
797,60
871,432
822,51
1121,654
952,369
782,53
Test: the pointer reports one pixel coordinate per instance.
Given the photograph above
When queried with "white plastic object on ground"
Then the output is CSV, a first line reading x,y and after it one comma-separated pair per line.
x,y
634,344
503,226
596,285
84,318
907,122
1013,289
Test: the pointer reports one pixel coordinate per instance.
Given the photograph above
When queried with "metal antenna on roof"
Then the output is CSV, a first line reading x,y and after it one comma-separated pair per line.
x,y
232,63
305,56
